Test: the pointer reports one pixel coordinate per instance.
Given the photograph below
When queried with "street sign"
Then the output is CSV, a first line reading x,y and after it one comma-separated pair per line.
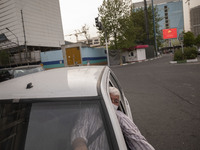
x,y
181,37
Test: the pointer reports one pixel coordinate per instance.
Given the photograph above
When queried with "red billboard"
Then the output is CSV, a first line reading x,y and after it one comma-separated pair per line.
x,y
170,33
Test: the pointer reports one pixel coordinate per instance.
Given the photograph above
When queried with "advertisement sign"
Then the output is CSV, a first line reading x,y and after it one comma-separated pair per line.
x,y
170,33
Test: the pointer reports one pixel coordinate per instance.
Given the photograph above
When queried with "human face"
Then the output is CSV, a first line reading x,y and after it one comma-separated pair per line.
x,y
115,99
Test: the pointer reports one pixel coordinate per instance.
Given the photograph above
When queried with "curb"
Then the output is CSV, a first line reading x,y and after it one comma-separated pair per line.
x,y
140,61
184,61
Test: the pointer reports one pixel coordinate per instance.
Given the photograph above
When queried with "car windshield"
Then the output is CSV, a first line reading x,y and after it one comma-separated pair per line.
x,y
24,71
51,125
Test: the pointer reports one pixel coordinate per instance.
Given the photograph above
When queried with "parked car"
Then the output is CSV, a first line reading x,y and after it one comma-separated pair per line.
x,y
24,70
6,74
199,51
41,111
9,73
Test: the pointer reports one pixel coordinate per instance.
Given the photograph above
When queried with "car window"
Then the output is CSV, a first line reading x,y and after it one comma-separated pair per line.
x,y
51,125
113,83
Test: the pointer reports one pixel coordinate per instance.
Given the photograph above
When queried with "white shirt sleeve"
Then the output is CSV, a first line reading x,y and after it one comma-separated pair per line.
x,y
135,140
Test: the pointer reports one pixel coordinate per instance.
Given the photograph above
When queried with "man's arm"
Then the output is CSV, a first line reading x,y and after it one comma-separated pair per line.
x,y
79,144
80,130
135,140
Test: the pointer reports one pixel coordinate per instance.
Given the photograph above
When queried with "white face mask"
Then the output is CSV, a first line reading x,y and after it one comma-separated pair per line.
x,y
115,106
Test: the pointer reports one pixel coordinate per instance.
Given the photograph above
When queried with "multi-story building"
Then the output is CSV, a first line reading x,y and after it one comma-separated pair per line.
x,y
92,42
181,14
30,25
171,11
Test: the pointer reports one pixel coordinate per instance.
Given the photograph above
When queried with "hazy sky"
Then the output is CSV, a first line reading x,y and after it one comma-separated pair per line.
x,y
77,13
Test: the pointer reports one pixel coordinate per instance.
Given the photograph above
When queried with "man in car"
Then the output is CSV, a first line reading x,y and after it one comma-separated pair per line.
x,y
88,132
134,139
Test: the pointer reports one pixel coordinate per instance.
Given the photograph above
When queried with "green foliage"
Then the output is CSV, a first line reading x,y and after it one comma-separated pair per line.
x,y
111,14
178,55
4,57
189,53
197,41
125,26
139,24
189,39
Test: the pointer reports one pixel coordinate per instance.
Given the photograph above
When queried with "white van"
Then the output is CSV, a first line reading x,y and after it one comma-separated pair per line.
x,y
45,110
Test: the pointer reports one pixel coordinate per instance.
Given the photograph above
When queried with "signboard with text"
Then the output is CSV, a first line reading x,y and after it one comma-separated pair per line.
x,y
170,33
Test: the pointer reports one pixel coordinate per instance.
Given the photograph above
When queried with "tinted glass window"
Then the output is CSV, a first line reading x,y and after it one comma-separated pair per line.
x,y
55,126
13,125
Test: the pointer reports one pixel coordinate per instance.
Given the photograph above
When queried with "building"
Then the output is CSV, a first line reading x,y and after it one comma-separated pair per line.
x,y
195,20
81,54
192,16
135,54
181,14
28,25
92,42
171,11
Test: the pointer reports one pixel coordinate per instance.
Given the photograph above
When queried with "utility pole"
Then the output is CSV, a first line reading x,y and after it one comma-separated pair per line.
x,y
146,21
24,37
101,27
154,28
107,49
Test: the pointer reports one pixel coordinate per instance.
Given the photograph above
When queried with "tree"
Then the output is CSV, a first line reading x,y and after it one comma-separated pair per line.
x,y
112,13
189,39
4,57
125,26
139,24
197,41
84,30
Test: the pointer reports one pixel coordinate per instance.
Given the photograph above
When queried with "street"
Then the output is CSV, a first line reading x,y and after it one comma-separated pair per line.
x,y
165,101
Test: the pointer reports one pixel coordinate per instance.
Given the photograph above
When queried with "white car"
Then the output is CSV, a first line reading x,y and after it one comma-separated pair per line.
x,y
40,111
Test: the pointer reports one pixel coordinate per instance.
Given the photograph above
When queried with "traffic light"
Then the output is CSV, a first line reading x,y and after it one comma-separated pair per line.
x,y
98,24
97,21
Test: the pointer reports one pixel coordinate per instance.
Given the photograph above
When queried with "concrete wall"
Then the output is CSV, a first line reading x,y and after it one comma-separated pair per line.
x,y
93,55
52,59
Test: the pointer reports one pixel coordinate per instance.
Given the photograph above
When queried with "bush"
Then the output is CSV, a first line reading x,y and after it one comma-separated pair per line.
x,y
178,55
189,53
4,57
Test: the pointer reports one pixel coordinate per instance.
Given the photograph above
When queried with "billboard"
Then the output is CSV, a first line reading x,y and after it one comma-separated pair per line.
x,y
170,33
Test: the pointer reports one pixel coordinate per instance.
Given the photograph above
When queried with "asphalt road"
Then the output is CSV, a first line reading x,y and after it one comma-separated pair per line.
x,y
165,101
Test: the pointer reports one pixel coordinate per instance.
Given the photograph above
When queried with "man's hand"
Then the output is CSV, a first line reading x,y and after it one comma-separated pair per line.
x,y
79,144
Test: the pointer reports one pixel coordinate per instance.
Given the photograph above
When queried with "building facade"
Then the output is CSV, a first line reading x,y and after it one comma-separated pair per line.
x,y
171,11
181,14
29,25
195,20
35,23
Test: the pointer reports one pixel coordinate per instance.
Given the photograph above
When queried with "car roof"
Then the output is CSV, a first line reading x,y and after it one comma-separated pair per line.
x,y
62,82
